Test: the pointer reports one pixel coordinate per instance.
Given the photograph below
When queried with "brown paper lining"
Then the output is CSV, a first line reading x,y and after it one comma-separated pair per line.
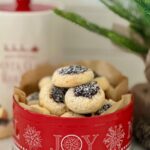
x,y
119,83
19,95
125,100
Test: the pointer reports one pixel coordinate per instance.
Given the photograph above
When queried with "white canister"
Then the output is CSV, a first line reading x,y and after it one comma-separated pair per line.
x,y
26,40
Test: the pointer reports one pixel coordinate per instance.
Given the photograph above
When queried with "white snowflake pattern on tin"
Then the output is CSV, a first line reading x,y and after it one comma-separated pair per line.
x,y
71,142
32,138
114,137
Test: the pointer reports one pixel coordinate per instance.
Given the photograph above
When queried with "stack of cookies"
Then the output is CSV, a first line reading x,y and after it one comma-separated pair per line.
x,y
73,91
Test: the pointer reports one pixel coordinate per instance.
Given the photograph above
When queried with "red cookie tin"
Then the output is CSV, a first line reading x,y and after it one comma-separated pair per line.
x,y
41,132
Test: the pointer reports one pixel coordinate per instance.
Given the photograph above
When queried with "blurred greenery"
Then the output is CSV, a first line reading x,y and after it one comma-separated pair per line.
x,y
136,12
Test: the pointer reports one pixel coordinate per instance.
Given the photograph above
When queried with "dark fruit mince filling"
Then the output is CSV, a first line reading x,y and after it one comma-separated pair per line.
x,y
74,69
58,94
87,90
103,109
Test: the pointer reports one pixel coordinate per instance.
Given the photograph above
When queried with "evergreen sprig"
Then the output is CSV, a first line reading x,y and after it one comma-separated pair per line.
x,y
127,12
137,12
113,36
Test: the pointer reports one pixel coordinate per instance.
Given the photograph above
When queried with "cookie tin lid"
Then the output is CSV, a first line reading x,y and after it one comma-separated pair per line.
x,y
24,6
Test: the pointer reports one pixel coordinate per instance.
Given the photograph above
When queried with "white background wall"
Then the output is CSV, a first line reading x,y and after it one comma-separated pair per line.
x,y
81,44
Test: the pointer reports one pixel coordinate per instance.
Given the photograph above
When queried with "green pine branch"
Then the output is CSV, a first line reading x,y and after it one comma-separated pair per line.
x,y
117,7
144,3
113,36
137,12
144,7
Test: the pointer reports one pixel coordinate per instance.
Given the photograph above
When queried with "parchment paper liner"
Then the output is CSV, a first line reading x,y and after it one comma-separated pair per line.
x,y
119,82
125,100
118,87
